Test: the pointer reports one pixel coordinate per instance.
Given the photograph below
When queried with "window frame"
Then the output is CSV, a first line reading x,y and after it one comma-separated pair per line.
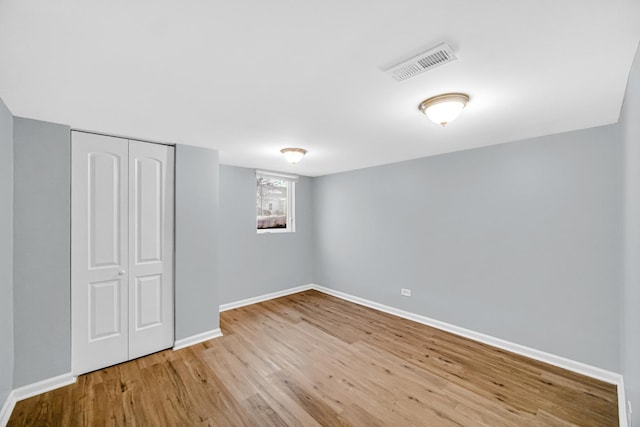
x,y
291,202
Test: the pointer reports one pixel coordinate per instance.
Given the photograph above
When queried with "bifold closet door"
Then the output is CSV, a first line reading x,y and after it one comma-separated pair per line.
x,y
99,251
150,248
122,250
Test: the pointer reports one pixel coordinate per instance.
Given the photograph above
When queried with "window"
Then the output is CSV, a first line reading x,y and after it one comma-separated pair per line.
x,y
275,202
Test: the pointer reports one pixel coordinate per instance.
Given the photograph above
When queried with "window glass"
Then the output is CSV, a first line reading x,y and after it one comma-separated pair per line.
x,y
273,203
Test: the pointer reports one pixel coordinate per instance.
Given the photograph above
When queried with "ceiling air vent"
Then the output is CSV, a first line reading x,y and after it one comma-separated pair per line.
x,y
439,55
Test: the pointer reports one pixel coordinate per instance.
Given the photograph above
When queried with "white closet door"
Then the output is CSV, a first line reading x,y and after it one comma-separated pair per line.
x,y
150,248
99,242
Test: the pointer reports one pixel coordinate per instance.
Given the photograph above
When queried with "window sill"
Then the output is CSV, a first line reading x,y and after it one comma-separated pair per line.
x,y
275,231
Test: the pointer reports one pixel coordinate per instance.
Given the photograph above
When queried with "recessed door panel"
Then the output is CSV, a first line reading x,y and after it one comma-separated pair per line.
x,y
104,196
104,309
149,301
149,209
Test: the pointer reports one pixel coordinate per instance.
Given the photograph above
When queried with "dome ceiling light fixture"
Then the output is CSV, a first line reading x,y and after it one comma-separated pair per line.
x,y
293,155
445,108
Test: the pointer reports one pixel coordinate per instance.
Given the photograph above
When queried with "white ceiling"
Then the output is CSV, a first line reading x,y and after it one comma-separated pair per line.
x,y
249,77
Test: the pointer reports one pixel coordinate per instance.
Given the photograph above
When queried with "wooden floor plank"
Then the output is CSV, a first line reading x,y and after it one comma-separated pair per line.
x,y
310,359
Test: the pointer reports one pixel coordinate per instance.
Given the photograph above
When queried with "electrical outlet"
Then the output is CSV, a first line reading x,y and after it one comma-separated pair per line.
x,y
405,292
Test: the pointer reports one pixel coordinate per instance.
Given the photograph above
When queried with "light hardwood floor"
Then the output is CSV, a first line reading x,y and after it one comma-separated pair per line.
x,y
310,359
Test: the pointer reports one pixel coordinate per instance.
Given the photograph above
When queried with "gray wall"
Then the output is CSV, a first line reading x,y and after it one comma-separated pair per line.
x,y
253,264
630,129
6,252
521,241
42,254
196,246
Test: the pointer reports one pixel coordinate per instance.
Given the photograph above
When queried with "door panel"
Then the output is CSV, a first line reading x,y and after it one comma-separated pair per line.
x,y
99,251
104,215
104,309
149,298
151,248
149,209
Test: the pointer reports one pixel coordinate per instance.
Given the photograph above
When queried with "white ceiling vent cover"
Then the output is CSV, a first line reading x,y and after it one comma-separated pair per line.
x,y
439,55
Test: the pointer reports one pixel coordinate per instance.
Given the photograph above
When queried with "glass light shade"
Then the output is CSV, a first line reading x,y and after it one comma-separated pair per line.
x,y
293,155
443,109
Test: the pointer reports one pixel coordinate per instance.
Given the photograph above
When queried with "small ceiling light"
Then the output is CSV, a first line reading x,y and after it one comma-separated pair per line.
x,y
293,155
443,109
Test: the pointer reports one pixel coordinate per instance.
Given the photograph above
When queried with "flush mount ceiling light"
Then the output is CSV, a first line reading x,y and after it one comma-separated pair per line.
x,y
293,155
443,109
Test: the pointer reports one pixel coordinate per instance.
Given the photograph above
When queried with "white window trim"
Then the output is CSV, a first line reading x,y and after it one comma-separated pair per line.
x,y
278,175
291,202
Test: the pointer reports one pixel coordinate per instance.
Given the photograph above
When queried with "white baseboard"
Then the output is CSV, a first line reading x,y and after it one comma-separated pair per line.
x,y
265,297
7,409
31,390
196,339
623,416
552,359
43,386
